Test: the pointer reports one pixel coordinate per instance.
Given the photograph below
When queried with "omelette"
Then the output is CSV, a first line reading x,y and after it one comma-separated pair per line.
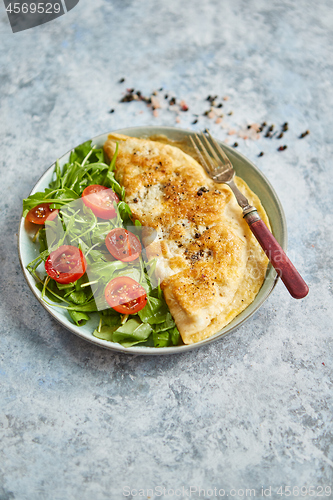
x,y
208,262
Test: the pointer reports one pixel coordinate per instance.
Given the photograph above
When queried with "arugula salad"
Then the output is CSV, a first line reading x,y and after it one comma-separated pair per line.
x,y
91,259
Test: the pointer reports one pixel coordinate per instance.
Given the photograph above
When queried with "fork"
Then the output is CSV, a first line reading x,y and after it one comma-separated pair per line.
x,y
220,169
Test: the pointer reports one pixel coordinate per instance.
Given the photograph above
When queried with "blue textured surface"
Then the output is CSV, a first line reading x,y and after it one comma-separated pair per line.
x,y
252,410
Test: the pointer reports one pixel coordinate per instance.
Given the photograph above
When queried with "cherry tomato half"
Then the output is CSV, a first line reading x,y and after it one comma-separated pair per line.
x,y
52,215
100,199
40,213
123,245
66,264
125,295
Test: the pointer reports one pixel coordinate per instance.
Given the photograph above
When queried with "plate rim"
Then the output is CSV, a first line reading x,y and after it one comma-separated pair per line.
x,y
143,350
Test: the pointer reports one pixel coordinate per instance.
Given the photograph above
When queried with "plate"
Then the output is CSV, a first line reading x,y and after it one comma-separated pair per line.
x,y
244,169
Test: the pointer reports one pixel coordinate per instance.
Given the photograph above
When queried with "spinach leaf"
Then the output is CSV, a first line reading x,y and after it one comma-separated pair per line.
x,y
167,324
78,297
79,318
175,336
133,331
167,337
154,312
161,339
105,332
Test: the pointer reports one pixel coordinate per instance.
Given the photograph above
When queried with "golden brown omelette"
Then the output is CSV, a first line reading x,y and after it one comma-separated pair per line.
x,y
210,265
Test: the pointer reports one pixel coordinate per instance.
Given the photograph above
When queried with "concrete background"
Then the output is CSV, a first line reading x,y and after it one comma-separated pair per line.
x,y
250,411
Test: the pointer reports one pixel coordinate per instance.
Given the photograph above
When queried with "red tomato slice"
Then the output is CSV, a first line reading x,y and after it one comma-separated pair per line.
x,y
123,245
100,199
52,215
40,213
125,295
66,264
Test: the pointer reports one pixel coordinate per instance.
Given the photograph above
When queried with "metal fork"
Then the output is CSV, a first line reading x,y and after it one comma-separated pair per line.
x,y
220,169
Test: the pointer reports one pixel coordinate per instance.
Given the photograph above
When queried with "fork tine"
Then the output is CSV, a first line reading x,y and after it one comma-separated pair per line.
x,y
211,149
218,148
205,164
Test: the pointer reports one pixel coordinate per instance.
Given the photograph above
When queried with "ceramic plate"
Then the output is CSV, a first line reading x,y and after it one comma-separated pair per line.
x,y
244,169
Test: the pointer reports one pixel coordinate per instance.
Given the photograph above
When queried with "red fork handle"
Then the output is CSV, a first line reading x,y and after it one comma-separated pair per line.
x,y
281,263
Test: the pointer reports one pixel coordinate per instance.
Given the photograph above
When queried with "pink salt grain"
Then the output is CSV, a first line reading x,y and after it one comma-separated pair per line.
x,y
183,106
155,102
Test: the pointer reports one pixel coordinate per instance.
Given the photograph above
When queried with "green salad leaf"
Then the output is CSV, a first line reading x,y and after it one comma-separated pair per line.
x,y
77,225
132,332
79,318
154,312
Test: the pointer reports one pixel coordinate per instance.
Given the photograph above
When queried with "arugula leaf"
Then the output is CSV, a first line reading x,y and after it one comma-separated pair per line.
x,y
125,212
57,198
49,294
111,182
53,234
42,240
99,154
77,225
80,152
